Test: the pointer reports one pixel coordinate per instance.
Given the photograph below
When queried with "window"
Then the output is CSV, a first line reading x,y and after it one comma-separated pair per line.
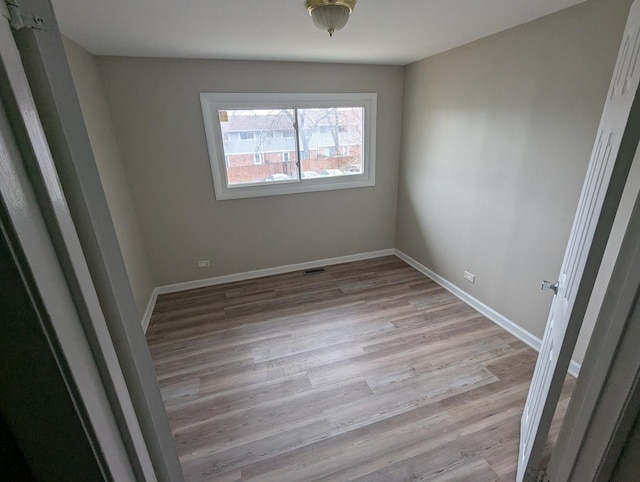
x,y
328,151
325,142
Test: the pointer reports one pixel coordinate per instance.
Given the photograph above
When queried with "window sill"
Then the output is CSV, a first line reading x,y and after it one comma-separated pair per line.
x,y
293,187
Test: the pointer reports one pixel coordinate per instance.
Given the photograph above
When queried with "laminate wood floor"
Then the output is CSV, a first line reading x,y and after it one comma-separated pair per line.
x,y
367,371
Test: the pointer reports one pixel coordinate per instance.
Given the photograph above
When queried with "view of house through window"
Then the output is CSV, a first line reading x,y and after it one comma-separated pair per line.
x,y
261,145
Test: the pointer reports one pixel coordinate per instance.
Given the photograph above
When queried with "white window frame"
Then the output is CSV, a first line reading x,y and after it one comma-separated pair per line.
x,y
213,102
258,159
286,157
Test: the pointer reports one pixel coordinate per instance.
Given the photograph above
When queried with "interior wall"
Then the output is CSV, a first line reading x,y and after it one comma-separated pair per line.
x,y
97,118
157,117
497,136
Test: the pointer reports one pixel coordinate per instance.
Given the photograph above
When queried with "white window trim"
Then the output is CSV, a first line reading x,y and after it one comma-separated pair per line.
x,y
212,102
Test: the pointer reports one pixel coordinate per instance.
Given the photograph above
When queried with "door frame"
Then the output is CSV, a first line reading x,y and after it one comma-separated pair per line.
x,y
74,208
606,400
34,253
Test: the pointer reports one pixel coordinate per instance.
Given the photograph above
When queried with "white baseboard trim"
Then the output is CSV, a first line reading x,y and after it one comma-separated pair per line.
x,y
500,320
261,273
146,318
574,368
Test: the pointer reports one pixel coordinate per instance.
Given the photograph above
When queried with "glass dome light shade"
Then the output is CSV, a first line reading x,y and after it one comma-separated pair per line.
x,y
330,15
330,18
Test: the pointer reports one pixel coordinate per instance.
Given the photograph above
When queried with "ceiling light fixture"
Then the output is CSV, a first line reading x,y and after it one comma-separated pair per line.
x,y
330,15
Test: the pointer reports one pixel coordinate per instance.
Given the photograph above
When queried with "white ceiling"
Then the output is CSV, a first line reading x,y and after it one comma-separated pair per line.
x,y
379,31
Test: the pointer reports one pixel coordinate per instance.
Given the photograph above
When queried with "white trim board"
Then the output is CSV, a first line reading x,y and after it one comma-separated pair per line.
x,y
146,317
500,320
260,273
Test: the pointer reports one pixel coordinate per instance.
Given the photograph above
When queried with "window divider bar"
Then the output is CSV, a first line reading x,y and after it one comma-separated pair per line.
x,y
297,134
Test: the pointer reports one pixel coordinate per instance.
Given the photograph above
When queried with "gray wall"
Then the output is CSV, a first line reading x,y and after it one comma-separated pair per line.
x,y
112,175
497,136
158,122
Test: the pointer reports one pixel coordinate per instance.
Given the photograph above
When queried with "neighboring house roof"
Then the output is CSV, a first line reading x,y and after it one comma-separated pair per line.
x,y
283,120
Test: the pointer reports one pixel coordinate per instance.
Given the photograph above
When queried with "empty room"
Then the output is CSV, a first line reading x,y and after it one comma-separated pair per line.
x,y
295,241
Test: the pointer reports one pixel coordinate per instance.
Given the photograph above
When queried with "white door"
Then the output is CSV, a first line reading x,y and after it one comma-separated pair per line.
x,y
614,148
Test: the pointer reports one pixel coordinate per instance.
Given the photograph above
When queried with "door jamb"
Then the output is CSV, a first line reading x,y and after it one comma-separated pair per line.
x,y
606,400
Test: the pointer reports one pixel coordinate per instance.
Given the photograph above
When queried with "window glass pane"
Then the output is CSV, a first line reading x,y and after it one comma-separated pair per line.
x,y
254,144
331,141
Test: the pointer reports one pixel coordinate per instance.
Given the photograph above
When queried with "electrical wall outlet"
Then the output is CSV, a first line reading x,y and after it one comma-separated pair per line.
x,y
204,263
471,278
